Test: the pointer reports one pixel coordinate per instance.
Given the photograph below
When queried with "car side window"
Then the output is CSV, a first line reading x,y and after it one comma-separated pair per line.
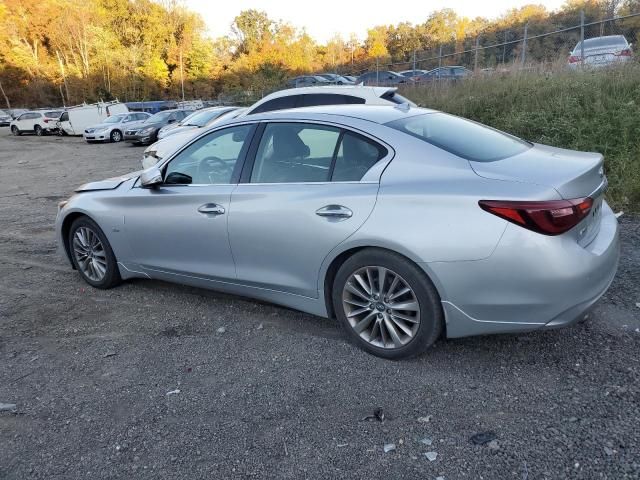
x,y
315,99
64,117
295,153
209,160
356,155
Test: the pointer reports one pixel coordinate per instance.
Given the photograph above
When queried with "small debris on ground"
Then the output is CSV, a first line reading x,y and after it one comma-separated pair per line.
x,y
378,414
619,214
109,354
493,445
426,419
340,445
431,456
173,392
221,330
8,407
260,327
389,447
482,438
426,441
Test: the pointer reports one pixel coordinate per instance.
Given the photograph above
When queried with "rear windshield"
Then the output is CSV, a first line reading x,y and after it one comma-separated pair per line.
x,y
601,42
464,138
53,114
396,98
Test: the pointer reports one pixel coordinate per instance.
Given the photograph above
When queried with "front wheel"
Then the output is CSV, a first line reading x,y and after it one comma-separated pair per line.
x,y
39,131
15,131
386,304
92,254
116,136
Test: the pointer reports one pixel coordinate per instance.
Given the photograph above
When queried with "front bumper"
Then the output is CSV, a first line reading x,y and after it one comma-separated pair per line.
x,y
530,282
96,136
143,139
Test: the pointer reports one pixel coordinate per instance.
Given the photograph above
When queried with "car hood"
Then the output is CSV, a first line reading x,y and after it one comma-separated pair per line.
x,y
101,126
109,183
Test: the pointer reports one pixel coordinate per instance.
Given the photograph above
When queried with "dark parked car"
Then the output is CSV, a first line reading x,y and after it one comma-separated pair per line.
x,y
383,77
445,73
5,118
146,132
308,81
336,79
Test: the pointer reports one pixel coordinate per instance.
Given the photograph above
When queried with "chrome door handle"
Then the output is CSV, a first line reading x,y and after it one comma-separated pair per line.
x,y
334,211
211,208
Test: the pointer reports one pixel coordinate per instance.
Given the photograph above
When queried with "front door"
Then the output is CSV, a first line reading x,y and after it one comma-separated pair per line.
x,y
301,198
180,227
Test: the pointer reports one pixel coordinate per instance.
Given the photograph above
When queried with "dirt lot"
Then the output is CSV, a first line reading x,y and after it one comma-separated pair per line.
x,y
279,394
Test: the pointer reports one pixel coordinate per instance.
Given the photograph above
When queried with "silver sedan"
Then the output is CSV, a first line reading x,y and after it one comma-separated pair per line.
x,y
405,224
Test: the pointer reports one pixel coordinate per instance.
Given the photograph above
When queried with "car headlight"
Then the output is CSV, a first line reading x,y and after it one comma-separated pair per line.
x,y
147,130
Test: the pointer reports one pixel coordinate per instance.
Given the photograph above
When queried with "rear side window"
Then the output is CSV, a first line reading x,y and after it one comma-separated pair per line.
x,y
356,155
281,103
64,117
316,99
464,138
53,114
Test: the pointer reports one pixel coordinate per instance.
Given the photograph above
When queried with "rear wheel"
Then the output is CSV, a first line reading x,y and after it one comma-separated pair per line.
x,y
39,131
116,136
387,305
15,130
92,254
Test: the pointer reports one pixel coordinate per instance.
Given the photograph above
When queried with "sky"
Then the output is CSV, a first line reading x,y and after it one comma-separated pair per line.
x,y
324,18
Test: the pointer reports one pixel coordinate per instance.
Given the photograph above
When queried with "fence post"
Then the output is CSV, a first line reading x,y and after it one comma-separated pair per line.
x,y
582,37
475,60
414,62
440,56
524,44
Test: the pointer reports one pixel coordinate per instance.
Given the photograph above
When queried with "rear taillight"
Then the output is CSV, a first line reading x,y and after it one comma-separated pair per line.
x,y
624,53
551,217
574,59
46,120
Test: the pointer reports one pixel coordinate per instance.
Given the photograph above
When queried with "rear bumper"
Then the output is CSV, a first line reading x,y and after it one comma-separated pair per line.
x,y
530,282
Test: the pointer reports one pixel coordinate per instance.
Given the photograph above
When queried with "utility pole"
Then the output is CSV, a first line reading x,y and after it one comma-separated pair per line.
x,y
64,78
475,60
440,58
504,46
582,37
524,44
414,63
377,71
181,76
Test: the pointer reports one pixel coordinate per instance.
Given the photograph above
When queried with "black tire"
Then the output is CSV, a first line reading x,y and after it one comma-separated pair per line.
x,y
431,323
39,131
116,136
112,275
15,131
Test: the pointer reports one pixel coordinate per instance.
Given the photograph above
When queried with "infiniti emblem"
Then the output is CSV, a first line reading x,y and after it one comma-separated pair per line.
x,y
601,172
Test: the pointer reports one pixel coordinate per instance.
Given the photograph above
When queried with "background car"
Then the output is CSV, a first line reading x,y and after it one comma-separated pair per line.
x,y
601,52
307,81
197,119
336,79
38,122
146,132
331,95
112,129
5,119
168,145
383,77
363,213
455,72
412,74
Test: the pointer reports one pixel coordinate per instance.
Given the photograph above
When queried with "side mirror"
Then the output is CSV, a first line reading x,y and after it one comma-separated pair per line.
x,y
177,178
172,120
151,177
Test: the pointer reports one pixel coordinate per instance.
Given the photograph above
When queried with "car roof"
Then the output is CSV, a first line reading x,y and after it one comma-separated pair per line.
x,y
356,90
372,113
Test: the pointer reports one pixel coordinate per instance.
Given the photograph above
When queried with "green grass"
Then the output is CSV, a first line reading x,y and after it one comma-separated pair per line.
x,y
588,111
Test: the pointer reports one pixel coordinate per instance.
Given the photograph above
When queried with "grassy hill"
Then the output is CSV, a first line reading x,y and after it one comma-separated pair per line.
x,y
589,111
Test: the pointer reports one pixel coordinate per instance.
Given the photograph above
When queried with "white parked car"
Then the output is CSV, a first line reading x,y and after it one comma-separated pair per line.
x,y
330,95
198,119
601,52
112,129
38,122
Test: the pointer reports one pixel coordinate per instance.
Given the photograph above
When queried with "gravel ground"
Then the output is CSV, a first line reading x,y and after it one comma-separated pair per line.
x,y
278,393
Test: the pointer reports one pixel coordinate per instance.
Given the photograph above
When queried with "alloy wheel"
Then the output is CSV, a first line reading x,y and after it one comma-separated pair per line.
x,y
116,136
90,254
381,307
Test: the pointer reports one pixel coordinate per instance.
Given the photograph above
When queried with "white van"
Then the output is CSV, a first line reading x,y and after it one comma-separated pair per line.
x,y
75,119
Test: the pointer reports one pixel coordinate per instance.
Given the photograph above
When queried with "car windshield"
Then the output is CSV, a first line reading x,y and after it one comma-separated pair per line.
x,y
200,119
464,138
114,119
158,117
603,42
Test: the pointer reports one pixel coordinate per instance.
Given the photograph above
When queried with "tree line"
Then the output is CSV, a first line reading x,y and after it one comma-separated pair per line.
x,y
56,52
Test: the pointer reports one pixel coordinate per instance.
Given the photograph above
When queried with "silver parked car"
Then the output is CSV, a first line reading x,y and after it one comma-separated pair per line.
x,y
601,52
112,128
198,119
403,223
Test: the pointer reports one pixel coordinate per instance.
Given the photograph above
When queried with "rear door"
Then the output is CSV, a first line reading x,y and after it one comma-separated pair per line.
x,y
301,194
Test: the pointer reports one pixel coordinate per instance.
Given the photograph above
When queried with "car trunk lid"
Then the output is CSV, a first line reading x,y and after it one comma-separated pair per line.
x,y
572,174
